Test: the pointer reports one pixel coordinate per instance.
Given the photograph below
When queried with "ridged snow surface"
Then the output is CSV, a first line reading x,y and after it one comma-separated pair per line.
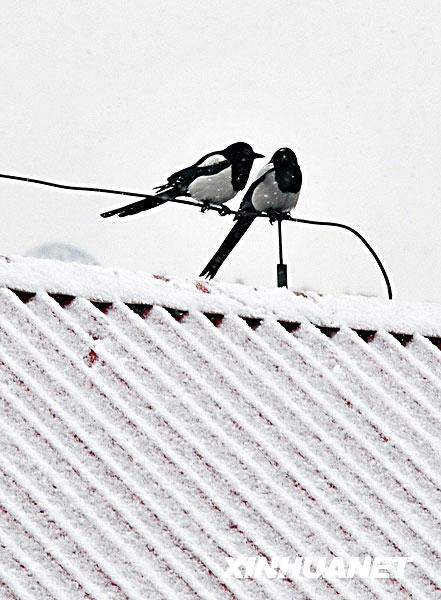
x,y
141,445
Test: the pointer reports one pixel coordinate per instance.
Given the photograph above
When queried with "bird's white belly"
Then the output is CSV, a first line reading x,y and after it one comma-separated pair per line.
x,y
214,188
267,196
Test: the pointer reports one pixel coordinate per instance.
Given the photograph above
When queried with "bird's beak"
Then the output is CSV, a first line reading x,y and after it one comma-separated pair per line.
x,y
257,155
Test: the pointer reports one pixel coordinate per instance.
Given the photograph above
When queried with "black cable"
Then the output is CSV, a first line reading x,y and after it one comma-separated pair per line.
x,y
204,206
77,188
71,187
360,237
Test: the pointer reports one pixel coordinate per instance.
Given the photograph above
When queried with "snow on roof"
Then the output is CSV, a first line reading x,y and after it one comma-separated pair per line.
x,y
152,427
107,285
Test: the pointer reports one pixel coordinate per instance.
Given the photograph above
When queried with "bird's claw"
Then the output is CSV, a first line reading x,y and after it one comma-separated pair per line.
x,y
274,215
224,211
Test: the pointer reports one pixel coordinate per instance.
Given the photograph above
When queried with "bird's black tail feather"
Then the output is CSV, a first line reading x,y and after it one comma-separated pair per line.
x,y
227,246
166,187
136,207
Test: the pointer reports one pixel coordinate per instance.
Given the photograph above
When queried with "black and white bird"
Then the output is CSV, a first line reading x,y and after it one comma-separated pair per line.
x,y
215,178
276,190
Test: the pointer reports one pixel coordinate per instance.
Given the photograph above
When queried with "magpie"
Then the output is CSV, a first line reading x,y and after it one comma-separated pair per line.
x,y
276,190
215,178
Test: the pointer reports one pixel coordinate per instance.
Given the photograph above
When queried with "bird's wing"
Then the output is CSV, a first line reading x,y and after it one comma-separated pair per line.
x,y
210,159
243,222
247,203
210,164
289,179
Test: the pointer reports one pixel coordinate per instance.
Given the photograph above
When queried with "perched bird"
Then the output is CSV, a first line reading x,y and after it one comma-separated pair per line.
x,y
276,190
215,178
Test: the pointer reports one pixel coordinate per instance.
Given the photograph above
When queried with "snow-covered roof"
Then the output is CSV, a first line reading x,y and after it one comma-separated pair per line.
x,y
152,427
109,285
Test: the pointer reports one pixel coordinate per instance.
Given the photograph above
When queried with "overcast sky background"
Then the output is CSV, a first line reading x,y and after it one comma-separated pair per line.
x,y
121,94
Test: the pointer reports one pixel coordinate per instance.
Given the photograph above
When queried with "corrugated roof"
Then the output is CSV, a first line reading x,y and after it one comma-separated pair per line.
x,y
150,428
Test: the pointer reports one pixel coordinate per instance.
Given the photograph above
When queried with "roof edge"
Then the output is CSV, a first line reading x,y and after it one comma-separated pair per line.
x,y
107,285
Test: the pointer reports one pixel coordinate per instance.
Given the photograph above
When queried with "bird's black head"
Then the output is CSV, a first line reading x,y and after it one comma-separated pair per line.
x,y
284,157
240,151
287,171
241,157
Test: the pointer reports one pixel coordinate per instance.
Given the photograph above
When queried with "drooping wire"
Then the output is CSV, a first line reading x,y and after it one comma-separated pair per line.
x,y
77,188
204,207
360,237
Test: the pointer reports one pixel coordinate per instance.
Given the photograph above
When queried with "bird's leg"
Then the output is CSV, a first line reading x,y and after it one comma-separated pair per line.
x,y
206,205
272,215
275,214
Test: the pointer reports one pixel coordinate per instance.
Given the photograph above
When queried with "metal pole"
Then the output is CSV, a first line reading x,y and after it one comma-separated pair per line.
x,y
282,269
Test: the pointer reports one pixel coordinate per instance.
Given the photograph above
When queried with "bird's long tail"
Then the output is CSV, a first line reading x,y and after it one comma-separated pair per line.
x,y
227,246
136,207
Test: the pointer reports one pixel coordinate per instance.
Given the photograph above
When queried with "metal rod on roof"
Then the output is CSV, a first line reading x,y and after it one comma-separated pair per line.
x,y
282,268
222,210
279,229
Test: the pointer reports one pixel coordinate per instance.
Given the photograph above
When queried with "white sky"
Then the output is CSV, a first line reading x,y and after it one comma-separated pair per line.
x,y
121,94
